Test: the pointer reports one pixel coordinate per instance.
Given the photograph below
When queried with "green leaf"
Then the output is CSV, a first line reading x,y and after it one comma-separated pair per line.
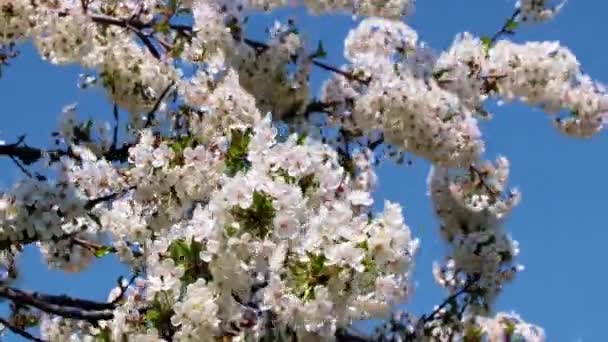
x,y
285,175
258,218
162,27
486,43
473,334
320,52
230,231
511,25
104,335
153,315
438,74
308,183
179,252
509,327
102,251
178,48
236,157
179,146
301,139
363,245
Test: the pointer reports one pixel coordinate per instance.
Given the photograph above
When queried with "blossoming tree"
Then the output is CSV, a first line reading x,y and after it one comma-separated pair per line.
x,y
240,202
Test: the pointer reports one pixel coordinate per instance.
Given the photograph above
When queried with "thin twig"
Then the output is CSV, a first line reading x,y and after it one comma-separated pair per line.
x,y
115,135
425,319
123,289
21,167
505,28
19,331
346,74
146,40
152,113
481,177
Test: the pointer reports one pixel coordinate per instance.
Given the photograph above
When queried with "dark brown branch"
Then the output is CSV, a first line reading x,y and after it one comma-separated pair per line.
x,y
107,20
27,155
123,289
95,201
425,319
348,335
346,74
374,144
19,331
504,30
132,24
57,306
21,167
479,176
62,300
115,133
147,42
137,26
261,47
152,112
90,204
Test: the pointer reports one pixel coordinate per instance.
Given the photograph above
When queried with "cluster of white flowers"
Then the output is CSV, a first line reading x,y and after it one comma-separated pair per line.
x,y
65,39
285,214
509,326
542,74
223,103
471,208
216,23
64,34
232,227
266,74
412,110
384,8
295,206
549,75
460,70
14,20
38,210
133,78
538,10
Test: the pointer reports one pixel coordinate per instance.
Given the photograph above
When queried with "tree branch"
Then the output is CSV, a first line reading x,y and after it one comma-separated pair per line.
x,y
505,28
123,289
425,319
59,305
348,335
152,112
62,300
137,26
19,331
27,155
115,133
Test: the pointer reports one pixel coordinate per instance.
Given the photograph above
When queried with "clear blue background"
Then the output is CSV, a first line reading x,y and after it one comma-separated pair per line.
x,y
560,224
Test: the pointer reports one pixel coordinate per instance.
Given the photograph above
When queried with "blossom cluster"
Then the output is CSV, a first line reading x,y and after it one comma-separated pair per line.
x,y
278,226
538,10
471,208
399,99
238,227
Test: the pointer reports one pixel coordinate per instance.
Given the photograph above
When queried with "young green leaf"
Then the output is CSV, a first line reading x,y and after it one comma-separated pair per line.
x,y
511,25
486,43
102,251
320,52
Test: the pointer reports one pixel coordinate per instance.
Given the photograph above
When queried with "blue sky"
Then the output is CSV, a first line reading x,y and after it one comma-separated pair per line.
x,y
560,224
